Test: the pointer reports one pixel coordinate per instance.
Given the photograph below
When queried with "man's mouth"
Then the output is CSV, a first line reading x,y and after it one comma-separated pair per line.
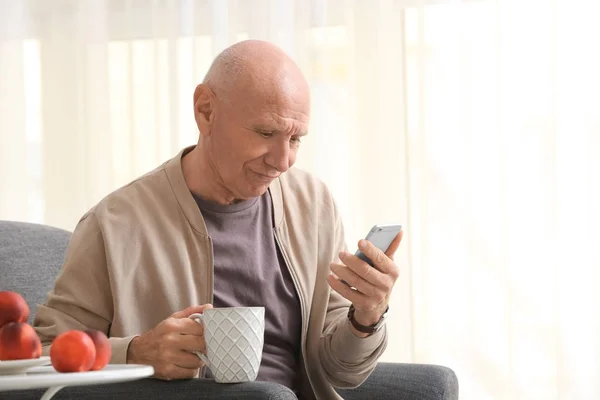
x,y
266,176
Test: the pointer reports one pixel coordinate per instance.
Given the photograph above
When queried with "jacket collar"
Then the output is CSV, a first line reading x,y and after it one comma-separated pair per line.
x,y
174,172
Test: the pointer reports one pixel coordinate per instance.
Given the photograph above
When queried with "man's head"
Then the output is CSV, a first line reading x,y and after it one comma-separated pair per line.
x,y
251,110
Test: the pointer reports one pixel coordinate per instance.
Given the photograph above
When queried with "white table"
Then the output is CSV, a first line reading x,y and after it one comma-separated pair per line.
x,y
47,377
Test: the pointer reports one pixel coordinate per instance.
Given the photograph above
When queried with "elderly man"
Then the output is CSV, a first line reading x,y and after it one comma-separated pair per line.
x,y
225,223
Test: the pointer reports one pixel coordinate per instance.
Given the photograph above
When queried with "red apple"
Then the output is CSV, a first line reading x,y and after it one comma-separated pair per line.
x,y
72,351
18,341
103,350
13,308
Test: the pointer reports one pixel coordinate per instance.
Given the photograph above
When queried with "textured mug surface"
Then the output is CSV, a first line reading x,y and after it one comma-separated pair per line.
x,y
234,342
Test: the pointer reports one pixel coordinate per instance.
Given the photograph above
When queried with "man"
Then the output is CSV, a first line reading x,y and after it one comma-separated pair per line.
x,y
229,223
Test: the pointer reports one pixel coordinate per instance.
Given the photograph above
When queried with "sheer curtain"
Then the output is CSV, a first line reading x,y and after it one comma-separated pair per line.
x,y
475,124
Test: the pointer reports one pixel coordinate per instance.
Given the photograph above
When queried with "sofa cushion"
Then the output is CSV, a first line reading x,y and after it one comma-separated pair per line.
x,y
31,256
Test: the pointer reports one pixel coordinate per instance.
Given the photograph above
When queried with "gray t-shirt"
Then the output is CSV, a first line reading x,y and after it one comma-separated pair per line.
x,y
249,271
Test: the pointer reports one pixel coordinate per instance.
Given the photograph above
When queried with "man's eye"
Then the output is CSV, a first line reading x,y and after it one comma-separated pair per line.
x,y
296,140
265,134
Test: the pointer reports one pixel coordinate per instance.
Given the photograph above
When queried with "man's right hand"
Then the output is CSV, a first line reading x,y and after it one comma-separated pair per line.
x,y
170,346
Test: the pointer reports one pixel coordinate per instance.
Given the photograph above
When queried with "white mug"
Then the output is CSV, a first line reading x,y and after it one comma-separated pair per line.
x,y
234,339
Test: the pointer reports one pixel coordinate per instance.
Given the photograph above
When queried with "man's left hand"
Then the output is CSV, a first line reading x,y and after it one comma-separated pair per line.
x,y
371,286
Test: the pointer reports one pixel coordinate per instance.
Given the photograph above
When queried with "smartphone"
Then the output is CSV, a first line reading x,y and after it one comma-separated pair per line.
x,y
381,236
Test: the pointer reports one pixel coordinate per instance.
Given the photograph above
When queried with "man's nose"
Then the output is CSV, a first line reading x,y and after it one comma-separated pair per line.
x,y
279,157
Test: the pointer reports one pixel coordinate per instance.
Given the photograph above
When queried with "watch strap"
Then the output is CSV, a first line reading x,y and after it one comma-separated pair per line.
x,y
364,328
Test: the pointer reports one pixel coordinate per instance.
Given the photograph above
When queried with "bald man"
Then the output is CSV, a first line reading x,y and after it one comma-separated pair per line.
x,y
228,222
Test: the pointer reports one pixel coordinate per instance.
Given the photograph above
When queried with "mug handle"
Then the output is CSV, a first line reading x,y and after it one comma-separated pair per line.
x,y
199,318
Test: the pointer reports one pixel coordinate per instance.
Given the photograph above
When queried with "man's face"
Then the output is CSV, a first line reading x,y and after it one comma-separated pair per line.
x,y
255,139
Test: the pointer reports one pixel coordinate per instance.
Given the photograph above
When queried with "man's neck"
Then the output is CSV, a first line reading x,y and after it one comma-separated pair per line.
x,y
201,178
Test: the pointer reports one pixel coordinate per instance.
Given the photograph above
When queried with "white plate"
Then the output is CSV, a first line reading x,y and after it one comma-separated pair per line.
x,y
14,367
45,377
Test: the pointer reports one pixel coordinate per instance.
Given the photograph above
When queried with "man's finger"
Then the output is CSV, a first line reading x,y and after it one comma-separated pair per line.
x,y
394,245
191,310
172,371
378,257
353,279
188,360
191,343
186,326
363,270
354,296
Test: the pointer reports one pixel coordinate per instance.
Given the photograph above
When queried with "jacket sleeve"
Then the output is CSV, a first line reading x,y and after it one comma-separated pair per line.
x,y
81,297
347,359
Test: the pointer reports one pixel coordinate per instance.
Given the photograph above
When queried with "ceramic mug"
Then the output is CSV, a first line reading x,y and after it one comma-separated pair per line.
x,y
234,339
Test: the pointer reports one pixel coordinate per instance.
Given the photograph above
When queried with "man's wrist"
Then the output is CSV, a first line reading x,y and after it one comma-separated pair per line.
x,y
370,322
131,350
368,318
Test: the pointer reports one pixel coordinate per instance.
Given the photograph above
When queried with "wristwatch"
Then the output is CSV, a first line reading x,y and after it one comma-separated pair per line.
x,y
363,328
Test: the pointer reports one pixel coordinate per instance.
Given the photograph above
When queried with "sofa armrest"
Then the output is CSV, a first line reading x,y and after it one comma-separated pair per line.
x,y
407,382
388,381
189,389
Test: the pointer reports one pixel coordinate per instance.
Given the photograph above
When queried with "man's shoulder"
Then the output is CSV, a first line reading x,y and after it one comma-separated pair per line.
x,y
136,195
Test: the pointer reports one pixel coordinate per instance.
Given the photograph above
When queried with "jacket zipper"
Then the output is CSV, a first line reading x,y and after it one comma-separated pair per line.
x,y
211,295
302,306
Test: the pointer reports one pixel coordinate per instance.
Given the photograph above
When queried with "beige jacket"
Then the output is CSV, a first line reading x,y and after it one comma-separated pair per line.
x,y
143,253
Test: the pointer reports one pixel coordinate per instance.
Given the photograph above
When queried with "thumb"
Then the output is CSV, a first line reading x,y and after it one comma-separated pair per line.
x,y
191,310
394,245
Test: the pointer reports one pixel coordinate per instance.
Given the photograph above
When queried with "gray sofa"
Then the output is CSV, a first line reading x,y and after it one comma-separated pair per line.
x,y
31,255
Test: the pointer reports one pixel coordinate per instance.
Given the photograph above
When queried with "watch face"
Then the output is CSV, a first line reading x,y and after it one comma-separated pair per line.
x,y
382,320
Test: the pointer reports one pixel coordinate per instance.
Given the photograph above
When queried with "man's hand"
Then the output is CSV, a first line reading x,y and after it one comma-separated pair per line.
x,y
372,285
170,345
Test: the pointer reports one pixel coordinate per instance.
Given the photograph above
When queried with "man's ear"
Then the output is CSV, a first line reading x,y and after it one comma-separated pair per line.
x,y
204,108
